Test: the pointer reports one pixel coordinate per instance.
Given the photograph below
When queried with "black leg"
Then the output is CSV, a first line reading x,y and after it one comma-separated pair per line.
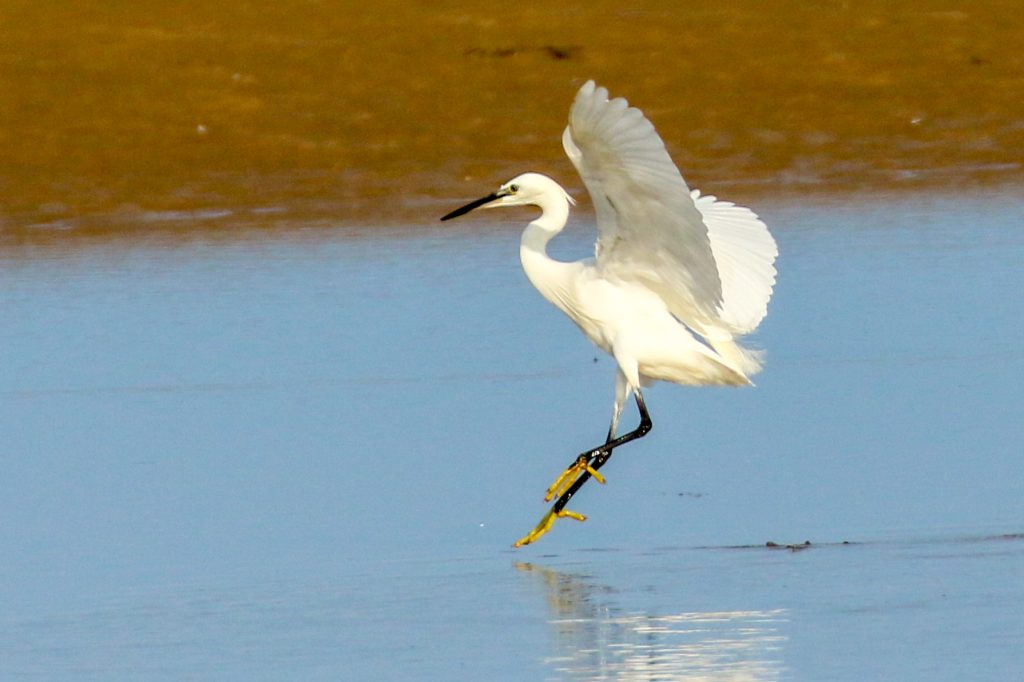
x,y
598,456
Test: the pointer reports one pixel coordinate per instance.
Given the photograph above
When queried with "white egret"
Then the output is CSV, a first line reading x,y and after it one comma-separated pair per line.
x,y
676,280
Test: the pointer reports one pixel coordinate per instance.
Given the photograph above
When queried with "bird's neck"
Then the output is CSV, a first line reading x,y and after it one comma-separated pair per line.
x,y
536,237
555,213
550,277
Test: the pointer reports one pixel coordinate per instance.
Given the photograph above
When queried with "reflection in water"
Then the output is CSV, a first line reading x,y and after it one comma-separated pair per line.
x,y
598,639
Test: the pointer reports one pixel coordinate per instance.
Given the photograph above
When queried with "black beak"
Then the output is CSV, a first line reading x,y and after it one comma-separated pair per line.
x,y
471,205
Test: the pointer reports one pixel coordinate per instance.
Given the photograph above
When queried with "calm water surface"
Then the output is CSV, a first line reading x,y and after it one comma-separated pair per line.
x,y
304,455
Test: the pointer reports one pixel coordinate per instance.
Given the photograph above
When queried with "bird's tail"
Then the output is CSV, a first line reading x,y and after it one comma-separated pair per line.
x,y
747,361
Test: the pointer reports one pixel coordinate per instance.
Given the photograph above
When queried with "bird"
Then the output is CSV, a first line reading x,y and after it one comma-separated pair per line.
x,y
676,280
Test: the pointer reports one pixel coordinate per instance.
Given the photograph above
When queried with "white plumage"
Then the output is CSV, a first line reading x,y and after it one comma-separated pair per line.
x,y
710,262
677,277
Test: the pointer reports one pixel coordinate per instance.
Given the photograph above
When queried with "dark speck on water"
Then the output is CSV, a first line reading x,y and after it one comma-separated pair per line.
x,y
792,547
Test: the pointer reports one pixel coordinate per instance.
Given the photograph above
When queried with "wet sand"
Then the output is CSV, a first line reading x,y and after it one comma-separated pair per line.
x,y
144,116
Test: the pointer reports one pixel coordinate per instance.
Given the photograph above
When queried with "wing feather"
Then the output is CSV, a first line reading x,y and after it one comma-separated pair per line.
x,y
745,253
712,262
650,230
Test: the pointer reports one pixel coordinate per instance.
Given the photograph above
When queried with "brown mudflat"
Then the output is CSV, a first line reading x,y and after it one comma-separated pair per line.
x,y
183,113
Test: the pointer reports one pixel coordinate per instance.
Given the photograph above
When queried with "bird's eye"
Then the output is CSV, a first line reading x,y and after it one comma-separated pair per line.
x,y
513,188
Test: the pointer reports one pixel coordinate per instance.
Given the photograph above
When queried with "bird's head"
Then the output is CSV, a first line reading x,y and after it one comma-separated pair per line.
x,y
528,189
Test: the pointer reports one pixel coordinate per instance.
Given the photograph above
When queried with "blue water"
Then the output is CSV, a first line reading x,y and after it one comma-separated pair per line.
x,y
304,454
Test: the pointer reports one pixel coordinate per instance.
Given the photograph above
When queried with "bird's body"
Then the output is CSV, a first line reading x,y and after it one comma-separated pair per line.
x,y
624,318
676,280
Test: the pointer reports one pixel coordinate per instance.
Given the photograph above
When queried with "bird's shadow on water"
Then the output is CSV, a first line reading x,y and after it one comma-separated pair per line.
x,y
600,633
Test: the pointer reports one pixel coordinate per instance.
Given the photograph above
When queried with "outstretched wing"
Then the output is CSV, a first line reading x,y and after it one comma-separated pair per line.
x,y
745,255
650,230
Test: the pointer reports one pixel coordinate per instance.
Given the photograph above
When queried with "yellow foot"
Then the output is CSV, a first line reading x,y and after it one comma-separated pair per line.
x,y
569,476
545,525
